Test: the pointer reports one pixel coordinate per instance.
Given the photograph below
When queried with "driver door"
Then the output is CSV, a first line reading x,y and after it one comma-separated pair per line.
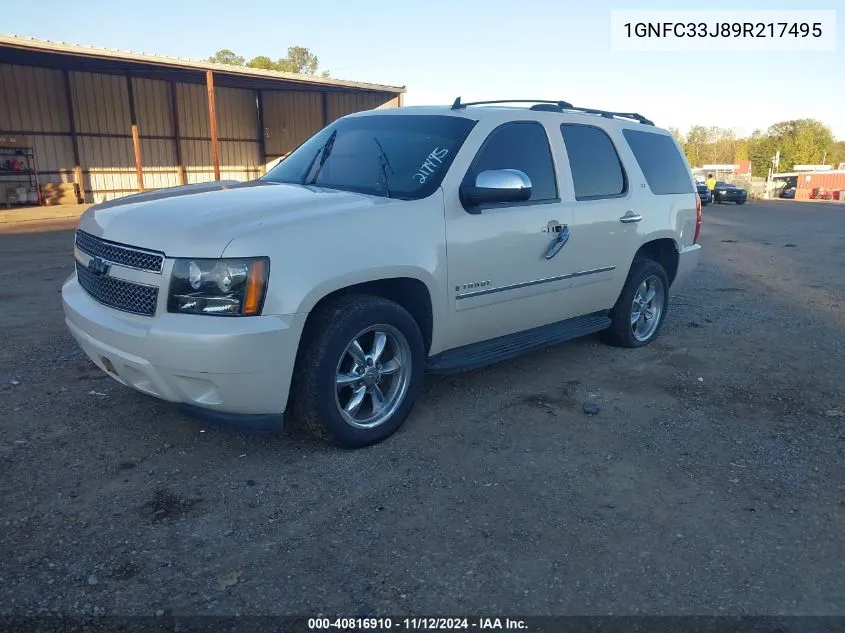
x,y
500,280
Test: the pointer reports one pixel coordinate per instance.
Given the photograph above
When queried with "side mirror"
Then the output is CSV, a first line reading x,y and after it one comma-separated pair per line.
x,y
497,185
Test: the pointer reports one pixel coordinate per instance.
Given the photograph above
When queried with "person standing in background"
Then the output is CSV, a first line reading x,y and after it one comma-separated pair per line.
x,y
711,185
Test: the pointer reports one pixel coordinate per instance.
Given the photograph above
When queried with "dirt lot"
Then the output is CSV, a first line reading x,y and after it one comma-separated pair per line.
x,y
711,481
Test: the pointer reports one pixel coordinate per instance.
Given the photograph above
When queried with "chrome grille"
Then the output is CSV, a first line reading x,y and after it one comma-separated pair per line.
x,y
119,254
118,293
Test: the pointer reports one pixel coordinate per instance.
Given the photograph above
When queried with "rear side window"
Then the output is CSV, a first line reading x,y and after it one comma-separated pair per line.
x,y
661,162
596,169
520,145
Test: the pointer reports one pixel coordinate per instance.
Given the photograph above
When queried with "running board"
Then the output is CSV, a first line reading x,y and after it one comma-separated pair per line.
x,y
510,346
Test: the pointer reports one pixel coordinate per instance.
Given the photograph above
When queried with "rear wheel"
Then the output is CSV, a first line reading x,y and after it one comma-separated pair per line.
x,y
740,201
638,314
359,371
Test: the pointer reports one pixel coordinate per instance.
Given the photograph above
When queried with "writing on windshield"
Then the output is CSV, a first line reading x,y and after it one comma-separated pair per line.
x,y
432,163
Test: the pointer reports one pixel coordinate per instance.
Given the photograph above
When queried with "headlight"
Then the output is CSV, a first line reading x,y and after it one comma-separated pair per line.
x,y
223,287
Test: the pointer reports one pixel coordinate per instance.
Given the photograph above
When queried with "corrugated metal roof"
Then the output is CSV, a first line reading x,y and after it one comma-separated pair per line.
x,y
62,48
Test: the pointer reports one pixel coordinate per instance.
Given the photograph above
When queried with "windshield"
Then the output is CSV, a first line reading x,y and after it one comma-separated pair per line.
x,y
393,156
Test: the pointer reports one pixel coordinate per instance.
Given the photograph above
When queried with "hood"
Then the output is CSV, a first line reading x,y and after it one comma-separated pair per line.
x,y
200,220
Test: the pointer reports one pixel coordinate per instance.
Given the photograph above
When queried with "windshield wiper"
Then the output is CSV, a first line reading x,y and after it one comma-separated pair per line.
x,y
325,150
385,165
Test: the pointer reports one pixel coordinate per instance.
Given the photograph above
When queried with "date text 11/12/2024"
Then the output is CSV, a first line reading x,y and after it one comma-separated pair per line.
x,y
416,624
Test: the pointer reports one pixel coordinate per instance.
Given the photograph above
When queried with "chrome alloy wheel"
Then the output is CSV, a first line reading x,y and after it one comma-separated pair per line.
x,y
372,376
647,308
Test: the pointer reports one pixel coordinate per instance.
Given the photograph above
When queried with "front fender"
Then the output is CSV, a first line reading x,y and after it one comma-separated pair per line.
x,y
341,282
436,293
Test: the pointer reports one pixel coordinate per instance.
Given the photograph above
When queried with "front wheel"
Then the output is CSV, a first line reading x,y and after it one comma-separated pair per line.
x,y
359,371
638,314
740,201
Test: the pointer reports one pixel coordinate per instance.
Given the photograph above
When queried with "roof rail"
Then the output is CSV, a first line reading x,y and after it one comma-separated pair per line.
x,y
558,106
458,105
611,115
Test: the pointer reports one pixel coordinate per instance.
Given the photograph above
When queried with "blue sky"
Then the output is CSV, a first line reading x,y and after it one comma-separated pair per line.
x,y
476,49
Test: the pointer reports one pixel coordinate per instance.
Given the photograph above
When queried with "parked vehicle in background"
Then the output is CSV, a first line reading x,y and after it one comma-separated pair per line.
x,y
391,243
703,192
789,188
726,192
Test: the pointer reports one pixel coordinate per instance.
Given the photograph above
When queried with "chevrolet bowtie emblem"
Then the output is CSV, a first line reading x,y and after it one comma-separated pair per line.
x,y
98,267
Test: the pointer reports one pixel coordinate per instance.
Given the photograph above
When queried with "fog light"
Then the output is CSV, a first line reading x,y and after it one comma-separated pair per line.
x,y
108,365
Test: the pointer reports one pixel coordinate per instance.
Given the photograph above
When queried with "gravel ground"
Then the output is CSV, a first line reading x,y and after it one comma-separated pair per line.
x,y
710,481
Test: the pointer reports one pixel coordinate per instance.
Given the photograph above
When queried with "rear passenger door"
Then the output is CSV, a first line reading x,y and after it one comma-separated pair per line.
x,y
605,217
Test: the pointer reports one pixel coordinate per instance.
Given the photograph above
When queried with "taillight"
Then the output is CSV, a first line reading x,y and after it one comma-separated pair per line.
x,y
697,218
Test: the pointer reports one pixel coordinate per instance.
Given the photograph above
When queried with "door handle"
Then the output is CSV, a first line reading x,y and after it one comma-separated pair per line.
x,y
553,226
629,217
559,242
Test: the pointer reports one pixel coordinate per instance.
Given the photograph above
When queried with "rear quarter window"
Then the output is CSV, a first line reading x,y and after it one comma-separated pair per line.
x,y
661,162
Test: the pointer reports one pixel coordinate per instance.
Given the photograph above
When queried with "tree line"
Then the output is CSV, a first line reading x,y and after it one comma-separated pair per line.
x,y
298,60
800,142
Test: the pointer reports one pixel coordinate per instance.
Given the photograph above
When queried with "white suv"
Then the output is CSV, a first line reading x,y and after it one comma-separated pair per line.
x,y
391,243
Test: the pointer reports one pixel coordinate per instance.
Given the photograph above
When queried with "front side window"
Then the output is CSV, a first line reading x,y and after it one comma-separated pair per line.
x,y
521,145
388,155
596,169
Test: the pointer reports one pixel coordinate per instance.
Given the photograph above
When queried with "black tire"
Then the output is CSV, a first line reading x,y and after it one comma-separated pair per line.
x,y
621,333
740,201
327,336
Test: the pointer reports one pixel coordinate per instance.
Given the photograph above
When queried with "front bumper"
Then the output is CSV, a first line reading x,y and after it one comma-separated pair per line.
x,y
687,262
236,365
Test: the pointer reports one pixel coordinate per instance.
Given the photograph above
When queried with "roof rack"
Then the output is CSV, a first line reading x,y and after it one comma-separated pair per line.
x,y
457,105
558,106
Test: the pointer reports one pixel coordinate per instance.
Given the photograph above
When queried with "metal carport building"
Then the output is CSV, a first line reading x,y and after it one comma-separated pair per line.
x,y
115,122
